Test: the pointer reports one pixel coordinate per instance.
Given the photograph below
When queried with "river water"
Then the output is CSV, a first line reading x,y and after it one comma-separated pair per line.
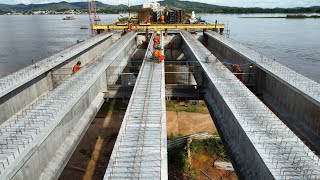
x,y
292,42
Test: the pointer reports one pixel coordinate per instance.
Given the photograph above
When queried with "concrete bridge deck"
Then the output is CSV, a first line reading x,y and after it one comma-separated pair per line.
x,y
37,143
140,151
259,143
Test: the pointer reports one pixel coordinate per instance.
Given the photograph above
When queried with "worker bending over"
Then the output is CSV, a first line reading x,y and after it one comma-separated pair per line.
x,y
76,67
237,69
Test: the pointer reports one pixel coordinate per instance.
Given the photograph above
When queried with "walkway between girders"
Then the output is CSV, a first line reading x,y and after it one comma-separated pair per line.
x,y
141,147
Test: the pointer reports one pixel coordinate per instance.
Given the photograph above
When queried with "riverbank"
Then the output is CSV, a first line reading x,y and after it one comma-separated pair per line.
x,y
287,17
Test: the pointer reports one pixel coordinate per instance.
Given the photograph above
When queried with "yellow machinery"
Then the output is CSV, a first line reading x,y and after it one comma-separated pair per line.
x,y
149,26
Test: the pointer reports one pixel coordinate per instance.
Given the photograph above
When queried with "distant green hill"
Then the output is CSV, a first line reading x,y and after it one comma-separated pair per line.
x,y
187,5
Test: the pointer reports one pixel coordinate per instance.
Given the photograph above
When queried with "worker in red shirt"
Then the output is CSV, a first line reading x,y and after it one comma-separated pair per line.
x,y
76,67
148,19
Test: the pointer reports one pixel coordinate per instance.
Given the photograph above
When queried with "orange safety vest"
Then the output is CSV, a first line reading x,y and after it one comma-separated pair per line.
x,y
157,53
76,68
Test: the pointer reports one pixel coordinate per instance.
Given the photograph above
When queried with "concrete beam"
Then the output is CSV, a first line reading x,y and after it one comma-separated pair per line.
x,y
22,87
259,144
33,141
292,96
140,151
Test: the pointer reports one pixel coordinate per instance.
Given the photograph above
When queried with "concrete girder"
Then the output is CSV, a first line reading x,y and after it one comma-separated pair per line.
x,y
33,141
260,145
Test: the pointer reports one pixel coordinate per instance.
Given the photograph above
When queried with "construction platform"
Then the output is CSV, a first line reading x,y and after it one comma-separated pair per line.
x,y
157,27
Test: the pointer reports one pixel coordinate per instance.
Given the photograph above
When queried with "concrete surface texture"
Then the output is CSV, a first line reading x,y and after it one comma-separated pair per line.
x,y
41,133
141,147
38,141
22,87
296,97
260,145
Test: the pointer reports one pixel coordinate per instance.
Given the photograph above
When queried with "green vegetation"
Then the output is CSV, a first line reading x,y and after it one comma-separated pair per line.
x,y
178,159
210,147
171,106
187,5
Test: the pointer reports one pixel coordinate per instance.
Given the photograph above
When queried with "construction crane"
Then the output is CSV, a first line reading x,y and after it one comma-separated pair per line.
x,y
94,19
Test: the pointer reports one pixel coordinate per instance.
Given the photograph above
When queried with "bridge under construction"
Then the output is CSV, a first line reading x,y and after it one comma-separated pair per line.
x,y
268,120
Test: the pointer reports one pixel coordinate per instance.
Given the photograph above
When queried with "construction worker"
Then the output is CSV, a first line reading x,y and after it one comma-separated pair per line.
x,y
162,18
148,19
162,58
76,67
237,69
157,53
156,39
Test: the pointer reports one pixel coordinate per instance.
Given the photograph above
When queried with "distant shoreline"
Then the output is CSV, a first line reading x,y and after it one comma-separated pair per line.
x,y
288,17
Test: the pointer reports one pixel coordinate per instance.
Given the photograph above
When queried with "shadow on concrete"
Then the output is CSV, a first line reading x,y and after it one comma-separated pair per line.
x,y
91,157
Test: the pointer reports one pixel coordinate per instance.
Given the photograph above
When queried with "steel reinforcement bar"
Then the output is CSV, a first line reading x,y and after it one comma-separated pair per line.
x,y
140,151
259,143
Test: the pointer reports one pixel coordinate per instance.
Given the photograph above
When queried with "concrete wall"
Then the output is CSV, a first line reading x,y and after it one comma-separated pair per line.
x,y
17,99
291,106
244,157
34,166
20,97
121,62
42,159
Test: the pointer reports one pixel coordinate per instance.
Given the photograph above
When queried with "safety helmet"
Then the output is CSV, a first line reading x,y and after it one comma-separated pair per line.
x,y
159,47
158,32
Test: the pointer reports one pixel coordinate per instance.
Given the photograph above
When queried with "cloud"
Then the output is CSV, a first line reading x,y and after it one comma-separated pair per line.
x,y
236,3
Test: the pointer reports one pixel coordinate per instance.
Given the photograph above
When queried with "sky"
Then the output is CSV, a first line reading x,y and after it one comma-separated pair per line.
x,y
236,3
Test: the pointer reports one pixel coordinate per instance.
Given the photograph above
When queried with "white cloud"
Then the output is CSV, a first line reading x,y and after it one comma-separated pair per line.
x,y
237,3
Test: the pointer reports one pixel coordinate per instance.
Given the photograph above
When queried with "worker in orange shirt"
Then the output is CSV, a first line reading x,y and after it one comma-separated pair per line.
x,y
162,18
238,71
76,67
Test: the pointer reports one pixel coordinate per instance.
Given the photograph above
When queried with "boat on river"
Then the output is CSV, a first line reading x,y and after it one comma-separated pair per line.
x,y
69,18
